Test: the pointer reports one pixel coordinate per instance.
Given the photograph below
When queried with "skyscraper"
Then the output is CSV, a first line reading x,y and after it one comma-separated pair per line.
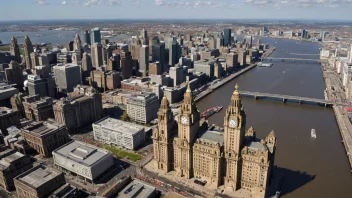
x,y
144,59
174,52
86,65
95,35
86,37
15,50
158,53
77,45
144,36
227,36
67,77
28,49
97,54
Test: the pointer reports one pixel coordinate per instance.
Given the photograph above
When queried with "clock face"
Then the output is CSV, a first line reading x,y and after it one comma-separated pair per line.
x,y
184,120
233,123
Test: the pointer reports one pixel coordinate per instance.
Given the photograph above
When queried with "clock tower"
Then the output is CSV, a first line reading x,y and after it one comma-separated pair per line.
x,y
188,124
163,137
234,127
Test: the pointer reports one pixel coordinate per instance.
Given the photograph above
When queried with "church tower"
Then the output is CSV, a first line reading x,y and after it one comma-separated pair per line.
x,y
234,126
188,124
163,137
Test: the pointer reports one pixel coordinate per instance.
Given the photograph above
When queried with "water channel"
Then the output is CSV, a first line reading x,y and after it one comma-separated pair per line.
x,y
312,167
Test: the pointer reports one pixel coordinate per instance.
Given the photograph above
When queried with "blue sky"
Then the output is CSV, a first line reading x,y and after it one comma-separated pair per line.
x,y
175,9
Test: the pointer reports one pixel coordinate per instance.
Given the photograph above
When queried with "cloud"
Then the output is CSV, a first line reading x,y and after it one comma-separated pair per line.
x,y
64,3
41,2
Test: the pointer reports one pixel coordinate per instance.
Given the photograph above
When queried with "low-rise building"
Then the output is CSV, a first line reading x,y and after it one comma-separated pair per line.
x,y
38,109
12,163
143,108
83,159
44,137
119,133
38,182
7,91
138,188
8,117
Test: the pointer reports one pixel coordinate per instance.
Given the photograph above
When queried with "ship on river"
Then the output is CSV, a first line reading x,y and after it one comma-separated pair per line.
x,y
211,111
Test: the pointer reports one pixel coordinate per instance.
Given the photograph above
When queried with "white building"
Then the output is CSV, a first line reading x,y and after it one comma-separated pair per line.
x,y
83,159
143,108
119,133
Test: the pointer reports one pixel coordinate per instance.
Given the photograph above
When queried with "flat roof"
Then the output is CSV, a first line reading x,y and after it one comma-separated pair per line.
x,y
138,189
82,153
38,176
42,128
9,157
5,110
257,146
214,136
119,125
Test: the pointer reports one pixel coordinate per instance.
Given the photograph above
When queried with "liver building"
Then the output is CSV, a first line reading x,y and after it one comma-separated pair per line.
x,y
228,156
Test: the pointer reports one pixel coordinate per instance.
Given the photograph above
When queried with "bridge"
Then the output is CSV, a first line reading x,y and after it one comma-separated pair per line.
x,y
291,59
292,99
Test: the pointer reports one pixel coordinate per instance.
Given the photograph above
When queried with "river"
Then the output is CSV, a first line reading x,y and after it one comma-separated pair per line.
x,y
312,167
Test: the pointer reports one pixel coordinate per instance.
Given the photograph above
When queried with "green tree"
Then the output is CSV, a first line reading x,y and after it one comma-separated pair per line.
x,y
125,117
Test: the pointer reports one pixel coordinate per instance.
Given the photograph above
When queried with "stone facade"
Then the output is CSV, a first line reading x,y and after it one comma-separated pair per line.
x,y
143,107
38,109
8,117
105,80
44,137
81,107
12,163
230,156
38,182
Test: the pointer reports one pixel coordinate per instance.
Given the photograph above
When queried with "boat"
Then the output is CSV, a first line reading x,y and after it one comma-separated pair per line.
x,y
211,111
313,134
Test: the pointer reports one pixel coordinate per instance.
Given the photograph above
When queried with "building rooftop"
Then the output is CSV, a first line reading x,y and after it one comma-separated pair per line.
x,y
7,157
138,189
82,153
143,96
40,129
65,66
214,136
257,146
38,176
5,110
119,125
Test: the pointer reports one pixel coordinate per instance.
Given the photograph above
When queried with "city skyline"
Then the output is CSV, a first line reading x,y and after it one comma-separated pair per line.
x,y
189,9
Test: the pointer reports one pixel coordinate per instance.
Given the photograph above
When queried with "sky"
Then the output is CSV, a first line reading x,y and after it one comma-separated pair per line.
x,y
175,9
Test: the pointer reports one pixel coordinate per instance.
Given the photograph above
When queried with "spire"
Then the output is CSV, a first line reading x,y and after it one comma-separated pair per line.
x,y
236,98
27,41
188,87
164,103
188,98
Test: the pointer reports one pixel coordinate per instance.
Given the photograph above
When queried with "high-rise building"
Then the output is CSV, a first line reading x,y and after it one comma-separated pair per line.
x,y
83,106
114,63
176,73
127,64
97,55
14,75
144,59
67,77
227,36
77,44
95,35
174,52
37,108
230,156
86,65
105,80
28,49
42,86
242,57
15,50
155,68
219,40
158,53
144,37
143,107
86,37
45,137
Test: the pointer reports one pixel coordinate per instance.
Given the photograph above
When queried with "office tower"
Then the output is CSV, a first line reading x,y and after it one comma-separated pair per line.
x,y
242,57
107,53
305,34
114,63
232,60
176,73
86,37
95,36
8,117
15,50
155,40
174,52
45,137
17,104
67,77
143,108
28,49
144,59
13,163
97,55
77,45
105,80
158,53
127,64
155,68
219,40
35,59
188,37
69,46
84,106
76,58
144,37
86,65
42,86
227,37
14,75
43,60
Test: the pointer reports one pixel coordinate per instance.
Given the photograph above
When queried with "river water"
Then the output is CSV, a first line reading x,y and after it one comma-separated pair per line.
x,y
312,167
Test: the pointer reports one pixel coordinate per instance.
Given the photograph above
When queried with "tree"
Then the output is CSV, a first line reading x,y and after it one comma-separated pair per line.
x,y
125,116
